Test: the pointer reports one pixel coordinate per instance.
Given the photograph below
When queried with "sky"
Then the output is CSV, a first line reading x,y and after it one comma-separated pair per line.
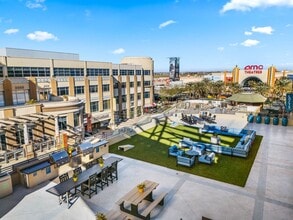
x,y
207,35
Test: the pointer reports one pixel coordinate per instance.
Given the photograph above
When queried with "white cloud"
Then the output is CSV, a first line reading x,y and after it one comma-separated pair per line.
x,y
36,4
288,25
263,30
118,51
250,43
41,36
166,23
248,33
220,49
247,5
11,31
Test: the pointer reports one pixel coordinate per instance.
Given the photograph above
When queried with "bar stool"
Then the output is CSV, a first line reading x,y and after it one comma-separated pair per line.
x,y
102,178
89,187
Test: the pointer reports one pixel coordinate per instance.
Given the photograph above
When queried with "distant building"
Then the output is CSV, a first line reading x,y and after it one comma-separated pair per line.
x,y
174,68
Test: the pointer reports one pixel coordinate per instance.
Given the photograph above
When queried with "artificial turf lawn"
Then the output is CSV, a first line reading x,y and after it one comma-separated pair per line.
x,y
152,146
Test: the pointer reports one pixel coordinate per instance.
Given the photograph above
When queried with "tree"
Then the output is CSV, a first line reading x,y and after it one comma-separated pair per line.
x,y
282,85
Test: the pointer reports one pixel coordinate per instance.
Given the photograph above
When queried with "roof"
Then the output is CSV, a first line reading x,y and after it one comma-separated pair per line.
x,y
247,98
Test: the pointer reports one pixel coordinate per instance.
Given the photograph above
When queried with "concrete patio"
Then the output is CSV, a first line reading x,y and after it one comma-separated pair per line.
x,y
267,194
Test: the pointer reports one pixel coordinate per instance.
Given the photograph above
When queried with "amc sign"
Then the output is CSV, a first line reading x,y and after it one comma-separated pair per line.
x,y
253,69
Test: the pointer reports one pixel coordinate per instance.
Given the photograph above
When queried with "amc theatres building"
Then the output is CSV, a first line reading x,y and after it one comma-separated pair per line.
x,y
253,72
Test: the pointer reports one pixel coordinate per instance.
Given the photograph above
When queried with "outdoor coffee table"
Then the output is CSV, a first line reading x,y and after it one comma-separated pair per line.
x,y
191,153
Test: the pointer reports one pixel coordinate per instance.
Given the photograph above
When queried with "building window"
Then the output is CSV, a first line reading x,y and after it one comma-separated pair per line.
x,y
48,170
62,91
3,141
123,72
115,72
98,72
124,98
138,72
79,90
68,72
76,119
131,72
138,96
15,71
20,96
123,85
106,88
2,102
116,85
93,88
106,104
131,84
19,136
1,71
147,83
30,133
94,106
146,72
146,95
138,84
62,123
131,97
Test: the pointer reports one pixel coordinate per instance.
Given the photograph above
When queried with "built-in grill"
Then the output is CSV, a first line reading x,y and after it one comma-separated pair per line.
x,y
60,157
86,148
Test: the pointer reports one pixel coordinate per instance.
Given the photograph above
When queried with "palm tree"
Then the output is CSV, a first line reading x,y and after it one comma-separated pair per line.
x,y
262,88
217,88
233,88
282,85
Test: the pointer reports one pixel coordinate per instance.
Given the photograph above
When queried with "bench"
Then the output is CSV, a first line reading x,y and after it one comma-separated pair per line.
x,y
118,215
159,200
125,147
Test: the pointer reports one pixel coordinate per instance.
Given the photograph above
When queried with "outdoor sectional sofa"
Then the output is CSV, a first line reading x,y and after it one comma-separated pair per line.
x,y
207,158
175,151
240,150
185,161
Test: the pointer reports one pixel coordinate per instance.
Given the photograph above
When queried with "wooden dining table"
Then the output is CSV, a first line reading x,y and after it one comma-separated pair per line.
x,y
65,187
134,198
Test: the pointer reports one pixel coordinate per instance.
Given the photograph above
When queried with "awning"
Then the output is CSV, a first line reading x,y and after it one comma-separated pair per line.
x,y
35,168
59,158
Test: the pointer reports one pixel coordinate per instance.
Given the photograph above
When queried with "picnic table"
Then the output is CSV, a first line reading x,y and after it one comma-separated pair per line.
x,y
65,187
134,198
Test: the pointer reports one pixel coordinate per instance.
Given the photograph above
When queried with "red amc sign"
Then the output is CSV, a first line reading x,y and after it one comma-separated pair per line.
x,y
253,69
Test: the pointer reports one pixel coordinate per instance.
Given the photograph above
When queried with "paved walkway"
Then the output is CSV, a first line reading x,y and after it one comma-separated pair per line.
x,y
267,194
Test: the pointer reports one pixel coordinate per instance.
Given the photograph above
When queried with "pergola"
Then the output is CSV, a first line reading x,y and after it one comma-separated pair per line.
x,y
253,98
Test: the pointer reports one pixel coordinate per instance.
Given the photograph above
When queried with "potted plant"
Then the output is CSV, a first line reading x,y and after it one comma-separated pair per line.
x,y
101,161
75,177
101,216
141,187
65,97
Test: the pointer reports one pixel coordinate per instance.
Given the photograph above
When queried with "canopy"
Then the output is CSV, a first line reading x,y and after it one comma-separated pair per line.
x,y
247,98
